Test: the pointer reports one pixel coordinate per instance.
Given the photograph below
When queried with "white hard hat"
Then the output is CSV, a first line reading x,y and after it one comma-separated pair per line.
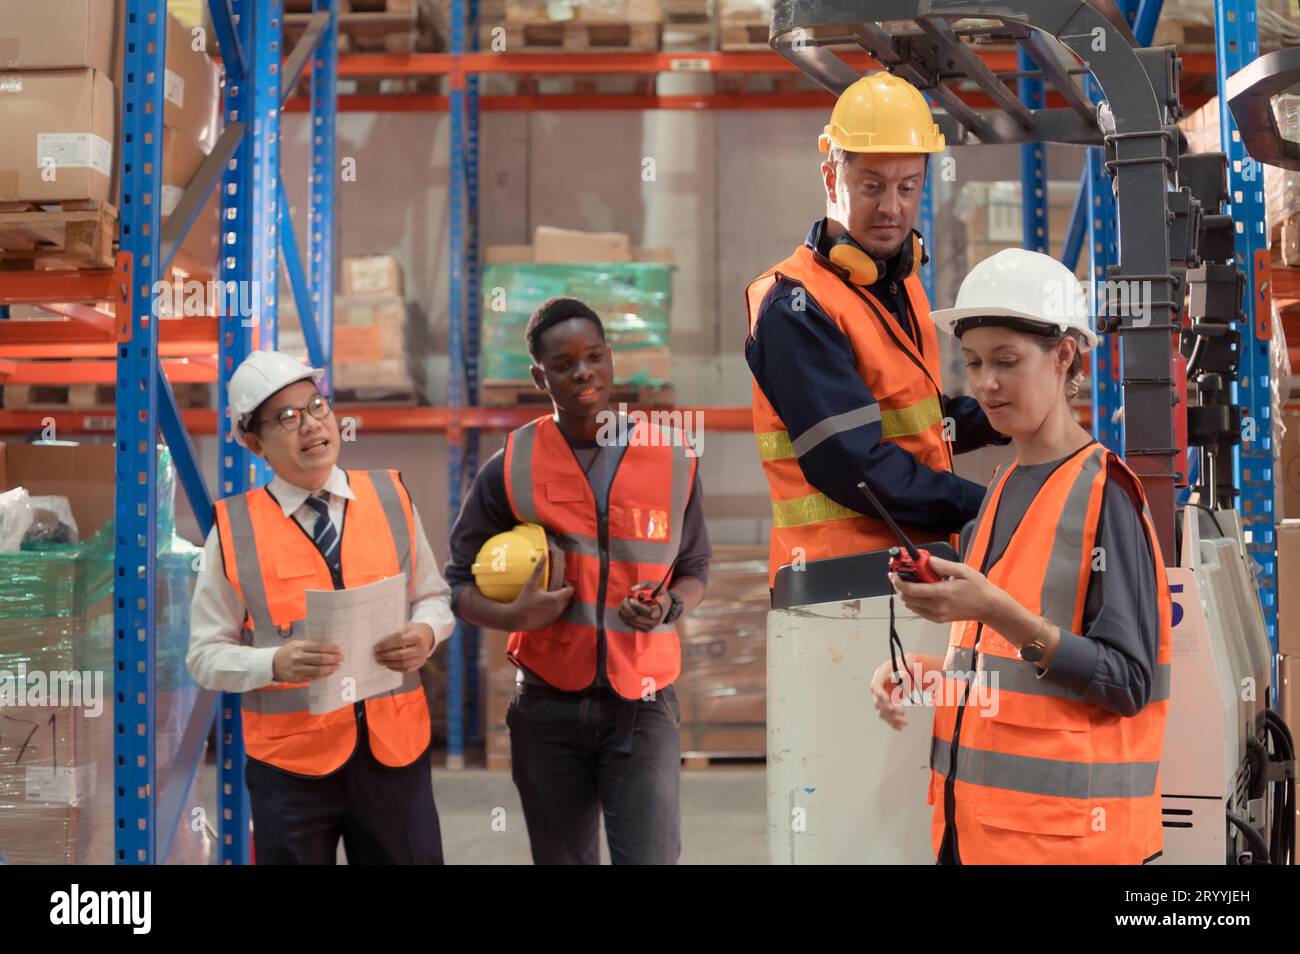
x,y
259,376
1027,287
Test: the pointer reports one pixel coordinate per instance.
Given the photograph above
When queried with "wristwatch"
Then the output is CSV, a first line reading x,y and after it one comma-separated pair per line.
x,y
675,610
1036,649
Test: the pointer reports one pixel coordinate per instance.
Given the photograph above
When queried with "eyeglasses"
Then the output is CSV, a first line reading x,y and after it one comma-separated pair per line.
x,y
291,417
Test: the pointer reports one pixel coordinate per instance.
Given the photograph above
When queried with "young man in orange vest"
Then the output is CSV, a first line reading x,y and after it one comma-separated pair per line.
x,y
593,722
845,358
361,771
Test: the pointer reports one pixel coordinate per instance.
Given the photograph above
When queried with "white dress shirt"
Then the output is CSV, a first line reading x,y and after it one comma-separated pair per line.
x,y
218,658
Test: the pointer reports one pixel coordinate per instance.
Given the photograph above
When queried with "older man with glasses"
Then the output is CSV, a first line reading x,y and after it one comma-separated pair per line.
x,y
361,771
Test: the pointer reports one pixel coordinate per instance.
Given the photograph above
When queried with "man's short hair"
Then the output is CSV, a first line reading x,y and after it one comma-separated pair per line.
x,y
552,312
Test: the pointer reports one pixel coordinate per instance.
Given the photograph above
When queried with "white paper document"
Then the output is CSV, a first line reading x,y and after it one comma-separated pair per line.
x,y
355,620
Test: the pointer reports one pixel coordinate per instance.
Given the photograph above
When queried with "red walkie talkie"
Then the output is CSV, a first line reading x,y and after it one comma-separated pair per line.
x,y
912,564
909,562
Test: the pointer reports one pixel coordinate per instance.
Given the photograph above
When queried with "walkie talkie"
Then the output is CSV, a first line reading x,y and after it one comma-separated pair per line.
x,y
909,562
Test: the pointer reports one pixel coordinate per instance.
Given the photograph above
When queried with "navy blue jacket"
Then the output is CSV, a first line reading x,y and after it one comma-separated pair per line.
x,y
805,367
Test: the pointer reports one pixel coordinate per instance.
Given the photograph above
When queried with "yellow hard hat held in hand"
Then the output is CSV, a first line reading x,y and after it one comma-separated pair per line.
x,y
882,113
506,561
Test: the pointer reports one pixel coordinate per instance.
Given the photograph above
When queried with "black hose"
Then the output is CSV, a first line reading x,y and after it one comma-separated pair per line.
x,y
1255,838
1284,743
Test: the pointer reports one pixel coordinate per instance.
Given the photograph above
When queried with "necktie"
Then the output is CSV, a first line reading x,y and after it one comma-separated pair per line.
x,y
324,535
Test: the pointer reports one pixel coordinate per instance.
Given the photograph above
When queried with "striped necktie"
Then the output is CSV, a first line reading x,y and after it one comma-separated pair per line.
x,y
324,535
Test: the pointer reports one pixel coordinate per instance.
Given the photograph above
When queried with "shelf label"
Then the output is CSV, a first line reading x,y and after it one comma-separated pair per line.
x,y
695,64
75,151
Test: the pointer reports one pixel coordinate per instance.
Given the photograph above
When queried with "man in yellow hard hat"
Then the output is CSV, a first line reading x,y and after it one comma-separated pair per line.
x,y
844,356
594,719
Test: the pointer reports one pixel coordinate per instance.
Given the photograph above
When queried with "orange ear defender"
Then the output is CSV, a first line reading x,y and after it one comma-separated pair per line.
x,y
863,268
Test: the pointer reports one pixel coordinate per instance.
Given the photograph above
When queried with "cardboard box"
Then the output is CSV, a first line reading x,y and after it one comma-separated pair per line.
x,y
200,254
1288,469
81,472
60,135
192,86
1290,242
559,246
1288,597
181,158
372,275
58,35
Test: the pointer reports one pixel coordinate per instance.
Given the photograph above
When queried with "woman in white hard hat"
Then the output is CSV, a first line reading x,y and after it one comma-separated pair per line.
x,y
1050,704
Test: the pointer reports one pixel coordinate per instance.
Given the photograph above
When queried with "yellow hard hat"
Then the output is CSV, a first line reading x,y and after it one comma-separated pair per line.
x,y
506,561
882,113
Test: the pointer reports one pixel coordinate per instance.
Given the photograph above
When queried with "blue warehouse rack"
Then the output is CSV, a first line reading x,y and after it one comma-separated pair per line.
x,y
254,231
1236,33
463,350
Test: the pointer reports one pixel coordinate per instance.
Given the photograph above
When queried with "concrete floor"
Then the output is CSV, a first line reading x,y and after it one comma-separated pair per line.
x,y
724,815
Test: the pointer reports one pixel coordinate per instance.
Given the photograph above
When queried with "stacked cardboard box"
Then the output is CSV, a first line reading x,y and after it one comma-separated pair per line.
x,y
61,82
56,666
369,331
722,689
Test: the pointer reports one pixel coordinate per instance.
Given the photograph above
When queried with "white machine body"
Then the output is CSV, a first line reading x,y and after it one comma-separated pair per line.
x,y
843,787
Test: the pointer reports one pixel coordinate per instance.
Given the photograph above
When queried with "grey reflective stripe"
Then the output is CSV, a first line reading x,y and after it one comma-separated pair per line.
x,y
623,551
1016,675
836,424
584,614
1059,599
1050,777
275,701
386,489
521,472
249,570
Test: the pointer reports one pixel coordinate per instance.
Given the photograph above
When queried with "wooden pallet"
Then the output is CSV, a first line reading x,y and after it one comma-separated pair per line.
x,y
90,397
741,36
66,235
584,35
379,26
515,393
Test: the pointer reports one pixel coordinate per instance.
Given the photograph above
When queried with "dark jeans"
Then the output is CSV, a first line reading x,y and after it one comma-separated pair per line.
x,y
385,816
573,754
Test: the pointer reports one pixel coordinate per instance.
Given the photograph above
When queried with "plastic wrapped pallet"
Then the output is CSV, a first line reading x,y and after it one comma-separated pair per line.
x,y
56,695
723,686
633,300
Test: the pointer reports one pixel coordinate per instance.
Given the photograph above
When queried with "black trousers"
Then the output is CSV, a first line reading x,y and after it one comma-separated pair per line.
x,y
573,755
385,816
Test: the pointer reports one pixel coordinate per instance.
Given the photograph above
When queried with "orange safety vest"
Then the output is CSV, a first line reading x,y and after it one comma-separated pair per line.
x,y
904,381
271,562
605,553
1040,776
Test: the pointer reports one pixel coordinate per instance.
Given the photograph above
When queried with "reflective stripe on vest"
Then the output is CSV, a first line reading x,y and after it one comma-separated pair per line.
x,y
377,541
1036,766
909,414
647,505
